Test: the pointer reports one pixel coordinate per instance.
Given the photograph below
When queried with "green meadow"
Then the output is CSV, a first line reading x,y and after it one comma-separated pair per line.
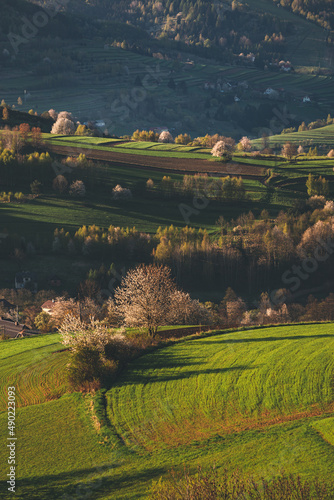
x,y
259,400
323,136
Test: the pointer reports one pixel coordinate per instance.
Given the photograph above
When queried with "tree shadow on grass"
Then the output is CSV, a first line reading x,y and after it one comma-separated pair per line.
x,y
170,367
77,485
187,374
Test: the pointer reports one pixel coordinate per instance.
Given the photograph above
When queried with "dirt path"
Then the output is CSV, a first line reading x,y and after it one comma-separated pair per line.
x,y
164,164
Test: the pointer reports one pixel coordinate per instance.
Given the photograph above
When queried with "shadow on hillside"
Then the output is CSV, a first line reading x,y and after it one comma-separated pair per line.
x,y
76,484
187,374
165,367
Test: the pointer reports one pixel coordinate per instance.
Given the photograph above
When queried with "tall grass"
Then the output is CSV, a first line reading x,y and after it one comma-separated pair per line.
x,y
207,485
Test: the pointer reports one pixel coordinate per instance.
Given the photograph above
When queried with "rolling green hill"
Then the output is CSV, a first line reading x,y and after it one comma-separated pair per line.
x,y
260,400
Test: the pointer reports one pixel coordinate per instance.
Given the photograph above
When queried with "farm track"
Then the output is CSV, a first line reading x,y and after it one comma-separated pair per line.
x,y
164,164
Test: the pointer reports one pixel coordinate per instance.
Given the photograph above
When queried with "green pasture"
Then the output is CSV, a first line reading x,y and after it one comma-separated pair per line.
x,y
225,381
95,141
36,367
40,217
323,136
136,148
257,400
162,147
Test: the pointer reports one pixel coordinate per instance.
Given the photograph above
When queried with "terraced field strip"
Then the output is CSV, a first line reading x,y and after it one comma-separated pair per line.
x,y
166,162
320,136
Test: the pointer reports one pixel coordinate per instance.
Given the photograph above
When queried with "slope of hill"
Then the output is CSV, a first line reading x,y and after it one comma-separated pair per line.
x,y
224,28
260,400
225,384
323,136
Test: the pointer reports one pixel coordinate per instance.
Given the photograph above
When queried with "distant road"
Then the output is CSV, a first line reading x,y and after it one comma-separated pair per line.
x,y
163,164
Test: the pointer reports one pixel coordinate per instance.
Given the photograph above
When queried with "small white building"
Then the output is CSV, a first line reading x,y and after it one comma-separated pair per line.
x,y
48,306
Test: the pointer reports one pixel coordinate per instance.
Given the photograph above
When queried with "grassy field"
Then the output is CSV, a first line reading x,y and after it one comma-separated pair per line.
x,y
260,400
323,136
49,211
137,148
36,367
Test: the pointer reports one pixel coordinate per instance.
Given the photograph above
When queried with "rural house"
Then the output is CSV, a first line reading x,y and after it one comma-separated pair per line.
x,y
10,329
48,306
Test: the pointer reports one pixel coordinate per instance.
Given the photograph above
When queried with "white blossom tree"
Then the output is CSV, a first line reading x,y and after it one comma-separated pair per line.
x,y
329,207
166,137
65,114
222,148
63,126
77,334
144,297
184,310
289,150
53,114
78,189
119,193
245,144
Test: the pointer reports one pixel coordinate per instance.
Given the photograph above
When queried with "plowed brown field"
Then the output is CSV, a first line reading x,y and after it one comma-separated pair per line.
x,y
164,164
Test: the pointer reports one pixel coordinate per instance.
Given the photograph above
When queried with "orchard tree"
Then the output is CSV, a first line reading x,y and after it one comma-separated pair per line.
x,y
24,130
144,297
78,189
36,136
245,144
60,183
222,148
289,150
53,114
63,126
166,137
